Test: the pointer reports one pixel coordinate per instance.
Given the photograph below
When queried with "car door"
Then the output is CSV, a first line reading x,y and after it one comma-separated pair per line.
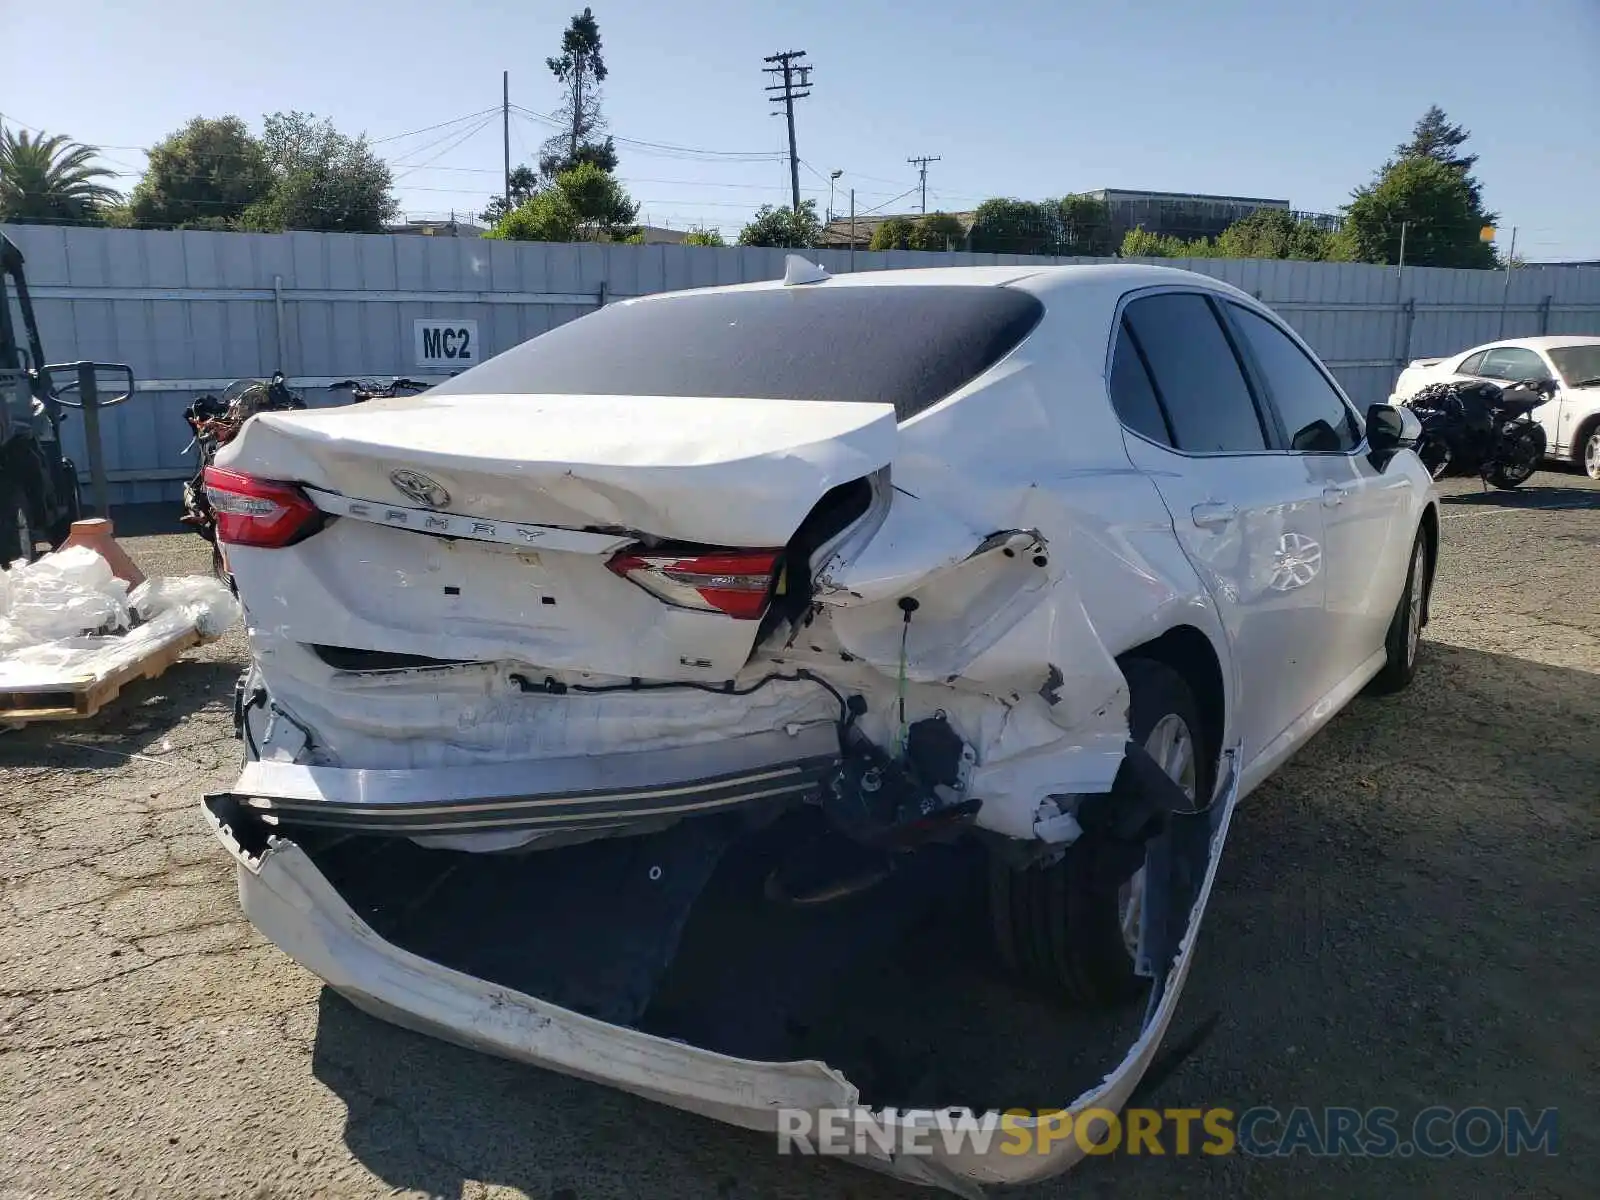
x,y
1248,514
1365,512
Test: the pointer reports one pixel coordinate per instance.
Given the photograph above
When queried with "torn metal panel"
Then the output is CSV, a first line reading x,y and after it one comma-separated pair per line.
x,y
293,904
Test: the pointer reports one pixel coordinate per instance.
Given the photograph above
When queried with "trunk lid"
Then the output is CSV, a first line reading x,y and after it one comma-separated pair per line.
x,y
714,471
480,527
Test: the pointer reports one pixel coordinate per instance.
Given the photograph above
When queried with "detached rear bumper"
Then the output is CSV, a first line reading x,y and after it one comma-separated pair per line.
x,y
545,794
293,904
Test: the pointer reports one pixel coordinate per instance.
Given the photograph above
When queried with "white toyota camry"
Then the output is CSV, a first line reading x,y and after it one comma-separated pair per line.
x,y
788,598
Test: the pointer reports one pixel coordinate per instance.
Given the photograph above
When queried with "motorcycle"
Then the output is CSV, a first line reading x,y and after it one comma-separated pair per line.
x,y
216,421
1477,427
362,390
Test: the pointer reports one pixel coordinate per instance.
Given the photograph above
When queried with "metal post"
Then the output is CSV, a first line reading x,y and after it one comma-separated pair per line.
x,y
1544,315
505,128
282,338
1407,324
852,229
1505,295
1400,269
89,393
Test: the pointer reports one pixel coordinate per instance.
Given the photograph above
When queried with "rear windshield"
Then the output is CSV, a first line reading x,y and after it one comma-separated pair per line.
x,y
901,345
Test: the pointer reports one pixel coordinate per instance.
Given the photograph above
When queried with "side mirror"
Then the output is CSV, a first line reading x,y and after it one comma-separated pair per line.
x,y
1391,428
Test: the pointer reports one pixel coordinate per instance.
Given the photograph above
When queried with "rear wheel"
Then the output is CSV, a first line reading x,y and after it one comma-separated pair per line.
x,y
1405,628
1063,927
17,534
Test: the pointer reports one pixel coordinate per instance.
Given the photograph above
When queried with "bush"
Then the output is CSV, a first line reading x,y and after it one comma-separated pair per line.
x,y
704,237
937,231
893,234
783,228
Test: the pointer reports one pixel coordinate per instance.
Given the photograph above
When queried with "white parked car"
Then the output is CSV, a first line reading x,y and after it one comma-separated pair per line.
x,y
1571,417
794,594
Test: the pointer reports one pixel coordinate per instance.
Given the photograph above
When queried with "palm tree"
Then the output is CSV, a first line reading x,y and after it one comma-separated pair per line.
x,y
50,180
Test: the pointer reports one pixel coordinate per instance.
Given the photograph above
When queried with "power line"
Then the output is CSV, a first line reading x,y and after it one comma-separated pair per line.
x,y
663,147
464,138
796,85
921,163
395,137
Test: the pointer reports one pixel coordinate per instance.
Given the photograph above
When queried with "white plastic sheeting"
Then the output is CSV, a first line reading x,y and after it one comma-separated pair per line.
x,y
66,621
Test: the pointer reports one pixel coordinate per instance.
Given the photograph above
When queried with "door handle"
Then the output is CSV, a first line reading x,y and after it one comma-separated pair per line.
x,y
1213,516
1333,495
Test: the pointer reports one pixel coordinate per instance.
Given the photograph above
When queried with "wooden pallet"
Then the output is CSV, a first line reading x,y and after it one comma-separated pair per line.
x,y
80,699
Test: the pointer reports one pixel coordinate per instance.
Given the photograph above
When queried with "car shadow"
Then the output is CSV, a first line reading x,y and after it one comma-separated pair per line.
x,y
137,722
1358,948
1542,497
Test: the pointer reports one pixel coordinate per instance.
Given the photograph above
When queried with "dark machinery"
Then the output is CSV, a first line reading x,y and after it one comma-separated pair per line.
x,y
39,496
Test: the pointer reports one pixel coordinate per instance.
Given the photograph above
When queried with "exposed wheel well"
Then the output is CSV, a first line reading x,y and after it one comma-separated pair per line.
x,y
1189,652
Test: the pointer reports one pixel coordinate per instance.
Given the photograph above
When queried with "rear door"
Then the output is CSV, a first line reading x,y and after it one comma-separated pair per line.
x,y
1249,514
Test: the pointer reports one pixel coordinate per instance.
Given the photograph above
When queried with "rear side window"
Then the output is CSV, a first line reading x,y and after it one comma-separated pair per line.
x,y
1132,393
1473,366
909,346
1317,419
1197,376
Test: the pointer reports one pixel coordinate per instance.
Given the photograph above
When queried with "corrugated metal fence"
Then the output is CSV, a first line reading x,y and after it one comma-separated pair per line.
x,y
193,311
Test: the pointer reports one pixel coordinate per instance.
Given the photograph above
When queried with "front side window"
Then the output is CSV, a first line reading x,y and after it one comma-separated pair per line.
x,y
1195,373
1579,365
1514,363
1315,416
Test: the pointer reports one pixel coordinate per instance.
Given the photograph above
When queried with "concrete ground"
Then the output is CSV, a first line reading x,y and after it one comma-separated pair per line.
x,y
1406,916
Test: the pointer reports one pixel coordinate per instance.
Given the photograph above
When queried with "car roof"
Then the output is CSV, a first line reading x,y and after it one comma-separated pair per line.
x,y
1050,283
1551,341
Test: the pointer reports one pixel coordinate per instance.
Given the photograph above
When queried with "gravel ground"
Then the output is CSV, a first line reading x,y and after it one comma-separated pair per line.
x,y
1406,916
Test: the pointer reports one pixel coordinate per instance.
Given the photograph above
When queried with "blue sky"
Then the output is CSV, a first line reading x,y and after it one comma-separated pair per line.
x,y
1017,97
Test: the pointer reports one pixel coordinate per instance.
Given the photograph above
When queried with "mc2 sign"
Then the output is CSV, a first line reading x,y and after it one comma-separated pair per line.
x,y
446,346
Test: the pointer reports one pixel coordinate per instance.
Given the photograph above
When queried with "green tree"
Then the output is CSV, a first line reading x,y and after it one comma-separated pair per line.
x,y
583,204
783,227
524,183
893,234
1085,227
703,237
1435,205
51,180
1435,137
1006,226
1274,233
580,69
1139,242
321,179
203,176
937,231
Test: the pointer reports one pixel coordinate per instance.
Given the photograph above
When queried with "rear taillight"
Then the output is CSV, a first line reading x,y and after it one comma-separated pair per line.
x,y
259,512
736,582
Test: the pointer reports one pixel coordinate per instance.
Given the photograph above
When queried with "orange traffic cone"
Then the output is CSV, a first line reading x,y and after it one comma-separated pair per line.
x,y
97,534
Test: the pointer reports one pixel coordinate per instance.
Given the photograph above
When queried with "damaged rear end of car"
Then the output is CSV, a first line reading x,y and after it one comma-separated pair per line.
x,y
620,703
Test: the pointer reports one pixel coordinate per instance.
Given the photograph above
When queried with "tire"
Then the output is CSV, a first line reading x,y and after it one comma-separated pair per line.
x,y
17,533
1059,926
1404,639
1517,471
1589,453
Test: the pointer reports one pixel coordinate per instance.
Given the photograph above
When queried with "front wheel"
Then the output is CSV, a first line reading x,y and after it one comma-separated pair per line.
x,y
1065,927
1405,629
1591,454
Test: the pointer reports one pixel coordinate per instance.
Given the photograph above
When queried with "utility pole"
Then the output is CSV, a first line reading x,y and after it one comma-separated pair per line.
x,y
505,128
796,76
921,163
